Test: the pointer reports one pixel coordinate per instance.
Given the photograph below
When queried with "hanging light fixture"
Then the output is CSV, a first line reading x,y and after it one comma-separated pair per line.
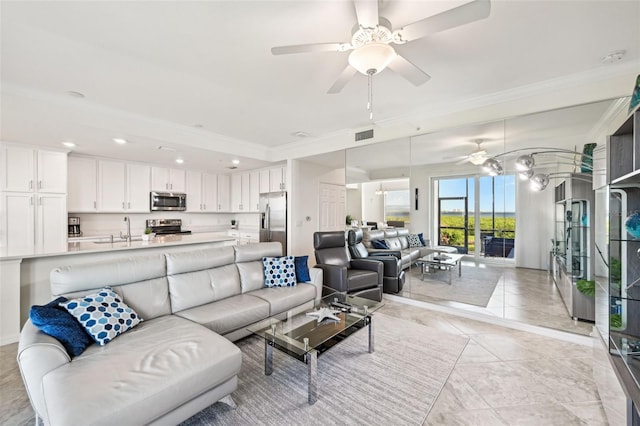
x,y
380,191
526,174
539,182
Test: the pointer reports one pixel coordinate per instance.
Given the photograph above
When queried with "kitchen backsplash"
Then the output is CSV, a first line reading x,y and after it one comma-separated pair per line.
x,y
93,224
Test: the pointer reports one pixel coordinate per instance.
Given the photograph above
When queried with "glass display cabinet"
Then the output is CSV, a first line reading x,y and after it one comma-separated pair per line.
x,y
624,254
573,244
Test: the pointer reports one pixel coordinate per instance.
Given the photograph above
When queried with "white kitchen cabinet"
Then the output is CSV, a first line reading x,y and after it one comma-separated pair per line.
x,y
123,187
264,181
18,223
202,192
209,192
245,199
194,192
244,237
254,191
224,199
165,179
138,187
236,192
33,223
83,184
111,186
26,169
51,222
277,179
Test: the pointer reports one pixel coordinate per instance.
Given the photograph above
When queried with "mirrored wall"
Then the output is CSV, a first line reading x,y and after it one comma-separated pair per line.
x,y
434,184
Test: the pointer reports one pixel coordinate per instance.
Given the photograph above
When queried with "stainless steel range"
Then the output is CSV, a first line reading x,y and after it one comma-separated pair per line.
x,y
166,226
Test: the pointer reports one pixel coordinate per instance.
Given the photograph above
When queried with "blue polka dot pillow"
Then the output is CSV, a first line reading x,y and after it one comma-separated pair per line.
x,y
103,315
414,240
279,271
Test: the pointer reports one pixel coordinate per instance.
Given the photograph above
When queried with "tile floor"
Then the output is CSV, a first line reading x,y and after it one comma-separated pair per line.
x,y
525,295
503,377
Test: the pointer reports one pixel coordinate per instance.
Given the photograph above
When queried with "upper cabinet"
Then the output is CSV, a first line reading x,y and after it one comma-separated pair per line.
x,y
83,184
224,197
236,192
202,192
277,179
108,186
25,169
254,191
164,179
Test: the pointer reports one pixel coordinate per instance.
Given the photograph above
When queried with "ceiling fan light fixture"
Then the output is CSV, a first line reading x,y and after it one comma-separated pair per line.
x,y
478,158
372,56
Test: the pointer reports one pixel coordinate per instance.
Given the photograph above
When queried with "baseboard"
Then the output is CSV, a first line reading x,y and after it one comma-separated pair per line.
x,y
7,340
503,322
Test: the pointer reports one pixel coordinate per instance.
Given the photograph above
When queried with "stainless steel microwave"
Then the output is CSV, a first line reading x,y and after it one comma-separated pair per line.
x,y
168,201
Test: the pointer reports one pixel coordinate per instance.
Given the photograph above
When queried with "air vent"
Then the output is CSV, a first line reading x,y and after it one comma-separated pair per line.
x,y
367,134
232,167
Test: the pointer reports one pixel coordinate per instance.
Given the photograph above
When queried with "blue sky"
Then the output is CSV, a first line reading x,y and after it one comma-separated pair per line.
x,y
504,192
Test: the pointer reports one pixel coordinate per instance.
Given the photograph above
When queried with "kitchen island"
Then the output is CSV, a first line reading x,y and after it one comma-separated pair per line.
x,y
24,278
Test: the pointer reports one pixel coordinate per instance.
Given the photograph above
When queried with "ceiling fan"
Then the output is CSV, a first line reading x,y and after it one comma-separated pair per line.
x,y
477,157
373,35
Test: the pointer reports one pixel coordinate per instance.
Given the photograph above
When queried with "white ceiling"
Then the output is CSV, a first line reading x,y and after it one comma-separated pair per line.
x,y
151,71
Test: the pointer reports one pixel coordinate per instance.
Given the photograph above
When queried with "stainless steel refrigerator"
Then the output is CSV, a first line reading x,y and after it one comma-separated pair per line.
x,y
273,218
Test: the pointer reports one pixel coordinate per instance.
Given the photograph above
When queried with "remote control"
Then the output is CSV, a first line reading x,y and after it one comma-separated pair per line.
x,y
340,305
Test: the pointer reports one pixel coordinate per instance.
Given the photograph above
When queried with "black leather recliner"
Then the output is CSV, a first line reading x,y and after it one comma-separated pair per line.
x,y
393,274
357,277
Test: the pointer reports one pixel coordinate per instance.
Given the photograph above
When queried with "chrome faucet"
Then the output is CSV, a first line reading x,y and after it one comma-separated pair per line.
x,y
128,235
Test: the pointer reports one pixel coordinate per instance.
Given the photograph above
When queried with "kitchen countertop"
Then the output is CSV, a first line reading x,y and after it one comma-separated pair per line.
x,y
91,246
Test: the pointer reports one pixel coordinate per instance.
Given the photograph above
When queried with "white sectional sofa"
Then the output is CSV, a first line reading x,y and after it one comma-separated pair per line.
x,y
180,359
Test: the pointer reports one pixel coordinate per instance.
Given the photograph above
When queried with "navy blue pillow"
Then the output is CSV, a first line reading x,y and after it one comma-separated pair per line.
x,y
379,244
302,269
424,244
55,321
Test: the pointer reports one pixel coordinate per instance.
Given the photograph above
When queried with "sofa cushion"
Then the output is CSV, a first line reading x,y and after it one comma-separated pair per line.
x,y
142,375
302,269
279,271
394,243
199,260
192,289
55,321
103,315
227,315
379,244
253,252
414,240
285,298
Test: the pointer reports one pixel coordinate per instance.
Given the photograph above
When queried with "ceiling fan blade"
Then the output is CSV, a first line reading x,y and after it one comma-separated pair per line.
x,y
316,47
409,71
473,11
344,77
367,12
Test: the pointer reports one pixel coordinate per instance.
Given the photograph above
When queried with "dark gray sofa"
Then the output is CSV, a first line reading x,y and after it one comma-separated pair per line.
x,y
398,241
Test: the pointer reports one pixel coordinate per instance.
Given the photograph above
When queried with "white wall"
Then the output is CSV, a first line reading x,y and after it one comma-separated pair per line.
x,y
372,204
305,180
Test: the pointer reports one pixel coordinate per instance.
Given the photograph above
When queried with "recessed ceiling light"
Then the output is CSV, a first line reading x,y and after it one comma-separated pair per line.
x,y
166,148
69,144
235,162
179,160
300,134
614,56
75,94
120,141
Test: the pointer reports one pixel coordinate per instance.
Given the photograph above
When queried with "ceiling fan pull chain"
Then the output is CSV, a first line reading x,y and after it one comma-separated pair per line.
x,y
370,94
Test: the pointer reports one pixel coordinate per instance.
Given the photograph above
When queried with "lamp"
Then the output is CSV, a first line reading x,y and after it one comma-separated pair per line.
x,y
492,166
525,162
527,174
539,181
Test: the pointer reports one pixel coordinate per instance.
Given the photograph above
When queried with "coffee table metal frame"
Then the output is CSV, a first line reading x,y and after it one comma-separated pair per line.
x,y
303,338
436,260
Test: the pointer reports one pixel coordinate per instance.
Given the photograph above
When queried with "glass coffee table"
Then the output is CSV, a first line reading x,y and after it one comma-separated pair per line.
x,y
440,261
304,338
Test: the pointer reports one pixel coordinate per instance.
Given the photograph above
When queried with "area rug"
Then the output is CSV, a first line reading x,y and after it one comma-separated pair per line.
x,y
397,384
474,287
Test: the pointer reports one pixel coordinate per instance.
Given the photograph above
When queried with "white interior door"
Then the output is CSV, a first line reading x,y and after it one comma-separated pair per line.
x,y
332,207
